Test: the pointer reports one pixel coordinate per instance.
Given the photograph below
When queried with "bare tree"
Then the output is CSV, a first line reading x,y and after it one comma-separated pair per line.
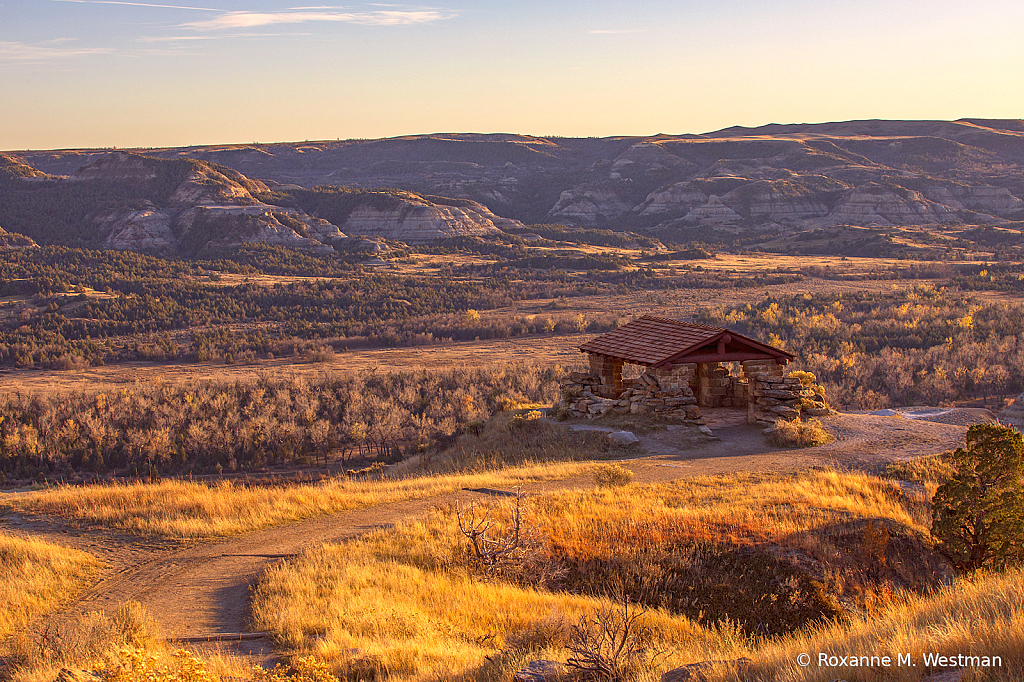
x,y
492,548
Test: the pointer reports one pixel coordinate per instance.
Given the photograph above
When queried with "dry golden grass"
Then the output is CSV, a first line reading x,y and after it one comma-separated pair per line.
x,y
397,601
738,509
123,647
405,600
36,577
183,509
512,438
933,470
983,616
612,476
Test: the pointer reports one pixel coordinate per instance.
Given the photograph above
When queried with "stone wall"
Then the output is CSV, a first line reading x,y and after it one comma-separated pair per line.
x,y
763,388
722,389
778,397
659,392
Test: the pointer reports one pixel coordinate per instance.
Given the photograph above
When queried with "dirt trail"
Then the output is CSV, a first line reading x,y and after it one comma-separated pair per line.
x,y
202,589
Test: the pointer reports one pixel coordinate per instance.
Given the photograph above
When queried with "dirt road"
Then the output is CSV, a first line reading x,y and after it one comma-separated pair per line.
x,y
202,589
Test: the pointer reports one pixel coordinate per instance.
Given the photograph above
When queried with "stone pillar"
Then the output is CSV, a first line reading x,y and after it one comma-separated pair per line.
x,y
703,384
751,369
609,370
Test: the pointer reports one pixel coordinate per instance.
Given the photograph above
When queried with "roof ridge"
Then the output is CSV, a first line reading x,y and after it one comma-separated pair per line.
x,y
653,339
661,318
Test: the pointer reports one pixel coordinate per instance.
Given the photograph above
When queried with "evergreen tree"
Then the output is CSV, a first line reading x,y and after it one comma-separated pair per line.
x,y
978,514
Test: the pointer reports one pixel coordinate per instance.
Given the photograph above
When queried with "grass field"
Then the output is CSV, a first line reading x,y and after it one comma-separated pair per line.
x,y
411,601
184,509
36,577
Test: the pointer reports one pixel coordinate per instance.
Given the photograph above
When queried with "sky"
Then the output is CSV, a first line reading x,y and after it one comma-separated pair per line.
x,y
106,73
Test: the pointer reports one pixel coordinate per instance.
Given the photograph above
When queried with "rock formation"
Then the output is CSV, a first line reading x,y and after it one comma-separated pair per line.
x,y
182,207
589,205
875,204
681,196
714,211
791,177
414,219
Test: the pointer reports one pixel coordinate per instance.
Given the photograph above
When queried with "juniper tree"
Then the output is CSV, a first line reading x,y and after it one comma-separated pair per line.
x,y
978,514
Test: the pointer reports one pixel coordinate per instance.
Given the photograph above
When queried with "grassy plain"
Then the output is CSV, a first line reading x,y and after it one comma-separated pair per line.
x,y
409,602
36,577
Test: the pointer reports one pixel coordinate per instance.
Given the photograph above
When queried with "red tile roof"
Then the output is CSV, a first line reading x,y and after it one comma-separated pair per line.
x,y
651,340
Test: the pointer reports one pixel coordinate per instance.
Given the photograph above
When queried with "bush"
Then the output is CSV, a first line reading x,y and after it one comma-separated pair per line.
x,y
978,514
612,476
799,434
612,646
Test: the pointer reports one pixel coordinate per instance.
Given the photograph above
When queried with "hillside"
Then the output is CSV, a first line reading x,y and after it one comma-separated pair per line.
x,y
187,207
15,241
776,177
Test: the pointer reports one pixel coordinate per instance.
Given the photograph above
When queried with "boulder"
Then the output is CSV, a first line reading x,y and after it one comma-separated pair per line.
x,y
624,437
785,412
539,671
697,672
780,394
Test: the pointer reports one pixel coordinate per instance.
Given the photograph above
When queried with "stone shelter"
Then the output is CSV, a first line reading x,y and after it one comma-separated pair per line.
x,y
687,367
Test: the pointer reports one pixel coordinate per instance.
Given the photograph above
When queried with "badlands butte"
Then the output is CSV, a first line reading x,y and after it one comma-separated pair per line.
x,y
853,188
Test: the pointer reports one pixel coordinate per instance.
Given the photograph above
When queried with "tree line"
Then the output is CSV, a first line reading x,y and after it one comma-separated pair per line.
x,y
871,350
213,428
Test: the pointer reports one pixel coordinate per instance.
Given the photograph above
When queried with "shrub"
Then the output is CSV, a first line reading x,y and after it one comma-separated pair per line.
x,y
799,434
612,476
978,514
613,645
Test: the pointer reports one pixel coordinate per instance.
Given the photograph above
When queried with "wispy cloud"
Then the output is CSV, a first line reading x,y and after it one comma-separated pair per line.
x,y
172,39
140,4
616,30
380,14
230,20
54,49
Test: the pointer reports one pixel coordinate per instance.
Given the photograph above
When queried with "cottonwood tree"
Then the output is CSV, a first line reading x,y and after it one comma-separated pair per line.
x,y
978,514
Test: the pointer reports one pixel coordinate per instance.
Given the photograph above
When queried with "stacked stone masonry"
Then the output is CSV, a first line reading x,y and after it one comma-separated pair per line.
x,y
778,398
763,388
661,392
